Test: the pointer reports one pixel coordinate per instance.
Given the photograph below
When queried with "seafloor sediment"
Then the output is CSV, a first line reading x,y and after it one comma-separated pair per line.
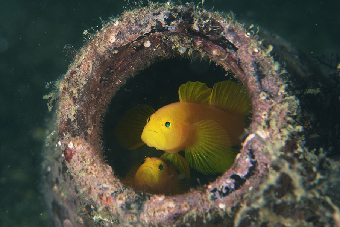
x,y
275,180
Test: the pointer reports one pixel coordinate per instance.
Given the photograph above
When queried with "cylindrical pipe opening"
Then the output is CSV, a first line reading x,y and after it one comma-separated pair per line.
x,y
121,49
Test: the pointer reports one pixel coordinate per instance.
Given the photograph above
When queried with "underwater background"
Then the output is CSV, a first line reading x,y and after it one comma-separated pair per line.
x,y
37,43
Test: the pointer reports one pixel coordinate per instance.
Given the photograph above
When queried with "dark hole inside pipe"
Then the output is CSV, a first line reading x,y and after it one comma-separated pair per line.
x,y
156,86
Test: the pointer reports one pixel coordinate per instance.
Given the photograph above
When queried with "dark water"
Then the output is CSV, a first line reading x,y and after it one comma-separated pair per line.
x,y
32,39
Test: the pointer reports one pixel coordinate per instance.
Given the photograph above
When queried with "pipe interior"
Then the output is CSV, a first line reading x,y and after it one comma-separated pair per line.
x,y
156,86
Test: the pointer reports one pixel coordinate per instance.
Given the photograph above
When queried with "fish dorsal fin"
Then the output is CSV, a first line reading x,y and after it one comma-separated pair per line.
x,y
130,176
231,96
178,162
211,152
130,127
194,92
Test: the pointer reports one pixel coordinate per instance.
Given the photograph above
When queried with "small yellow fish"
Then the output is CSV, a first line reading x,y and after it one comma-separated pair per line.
x,y
154,176
206,123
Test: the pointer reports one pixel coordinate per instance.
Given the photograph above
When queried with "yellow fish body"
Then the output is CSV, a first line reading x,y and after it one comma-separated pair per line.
x,y
205,124
172,127
154,176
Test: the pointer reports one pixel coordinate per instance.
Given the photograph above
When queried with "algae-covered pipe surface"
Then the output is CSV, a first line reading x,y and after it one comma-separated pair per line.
x,y
267,177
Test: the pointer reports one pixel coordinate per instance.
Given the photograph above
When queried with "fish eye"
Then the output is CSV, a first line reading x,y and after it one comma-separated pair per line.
x,y
167,124
160,167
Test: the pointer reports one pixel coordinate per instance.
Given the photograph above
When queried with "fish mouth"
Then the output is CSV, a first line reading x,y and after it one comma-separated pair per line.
x,y
153,131
151,138
149,133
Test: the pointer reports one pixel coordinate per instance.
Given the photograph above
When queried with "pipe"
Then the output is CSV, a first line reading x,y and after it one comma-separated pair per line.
x,y
81,188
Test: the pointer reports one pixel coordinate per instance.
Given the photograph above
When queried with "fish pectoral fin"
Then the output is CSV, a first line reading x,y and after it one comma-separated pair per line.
x,y
194,92
130,127
231,96
211,152
178,162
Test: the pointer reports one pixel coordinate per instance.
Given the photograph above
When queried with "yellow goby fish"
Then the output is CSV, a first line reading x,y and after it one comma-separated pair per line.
x,y
206,123
154,176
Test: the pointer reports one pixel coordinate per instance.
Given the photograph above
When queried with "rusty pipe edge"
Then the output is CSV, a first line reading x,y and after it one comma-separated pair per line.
x,y
82,190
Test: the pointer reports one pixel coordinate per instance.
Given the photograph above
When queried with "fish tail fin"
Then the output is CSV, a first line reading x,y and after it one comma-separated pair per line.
x,y
211,152
181,186
231,96
178,162
130,127
128,180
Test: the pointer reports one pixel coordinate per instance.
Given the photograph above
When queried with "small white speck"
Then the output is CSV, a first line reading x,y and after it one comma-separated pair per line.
x,y
147,43
250,137
221,205
160,198
238,155
182,50
171,204
263,95
112,38
263,134
70,145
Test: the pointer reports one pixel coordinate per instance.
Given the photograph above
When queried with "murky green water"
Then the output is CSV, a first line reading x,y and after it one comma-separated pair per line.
x,y
32,39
